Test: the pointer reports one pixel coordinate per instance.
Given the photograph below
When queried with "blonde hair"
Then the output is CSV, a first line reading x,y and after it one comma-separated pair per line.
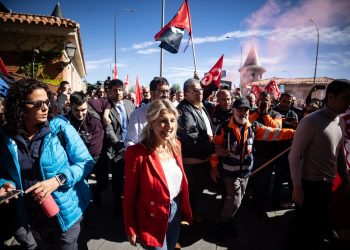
x,y
154,110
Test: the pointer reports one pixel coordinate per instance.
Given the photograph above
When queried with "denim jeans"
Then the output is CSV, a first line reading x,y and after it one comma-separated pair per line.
x,y
173,230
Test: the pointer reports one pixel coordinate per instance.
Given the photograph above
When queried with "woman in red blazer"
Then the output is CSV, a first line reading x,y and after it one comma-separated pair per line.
x,y
156,189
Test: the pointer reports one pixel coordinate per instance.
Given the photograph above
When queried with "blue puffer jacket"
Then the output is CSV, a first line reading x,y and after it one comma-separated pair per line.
x,y
74,162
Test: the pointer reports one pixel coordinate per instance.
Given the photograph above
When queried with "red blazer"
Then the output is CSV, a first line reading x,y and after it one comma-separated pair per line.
x,y
146,196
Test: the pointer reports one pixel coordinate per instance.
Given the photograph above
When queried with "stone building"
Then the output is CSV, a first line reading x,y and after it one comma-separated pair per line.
x,y
41,40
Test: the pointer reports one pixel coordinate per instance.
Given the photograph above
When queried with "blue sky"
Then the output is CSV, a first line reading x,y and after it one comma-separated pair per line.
x,y
284,36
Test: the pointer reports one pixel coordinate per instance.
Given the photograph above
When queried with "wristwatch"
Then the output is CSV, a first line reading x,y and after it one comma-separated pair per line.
x,y
61,179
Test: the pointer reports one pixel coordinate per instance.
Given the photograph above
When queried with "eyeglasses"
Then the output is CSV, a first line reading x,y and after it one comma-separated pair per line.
x,y
196,91
163,91
38,104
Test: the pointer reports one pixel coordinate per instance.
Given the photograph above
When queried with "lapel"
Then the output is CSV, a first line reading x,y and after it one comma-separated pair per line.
x,y
115,114
128,108
157,166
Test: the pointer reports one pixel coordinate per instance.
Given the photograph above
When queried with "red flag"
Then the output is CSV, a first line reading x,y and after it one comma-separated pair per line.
x,y
3,67
256,90
171,34
273,89
126,84
138,93
115,73
214,74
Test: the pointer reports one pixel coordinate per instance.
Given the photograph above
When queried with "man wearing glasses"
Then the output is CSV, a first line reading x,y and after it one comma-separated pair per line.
x,y
159,88
196,136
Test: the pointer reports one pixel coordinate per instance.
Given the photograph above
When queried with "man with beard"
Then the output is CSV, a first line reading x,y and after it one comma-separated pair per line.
x,y
234,141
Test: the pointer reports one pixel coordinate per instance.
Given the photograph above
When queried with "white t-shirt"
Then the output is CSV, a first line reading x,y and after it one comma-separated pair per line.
x,y
173,176
207,123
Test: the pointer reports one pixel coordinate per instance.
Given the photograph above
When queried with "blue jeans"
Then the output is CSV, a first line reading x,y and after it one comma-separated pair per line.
x,y
173,230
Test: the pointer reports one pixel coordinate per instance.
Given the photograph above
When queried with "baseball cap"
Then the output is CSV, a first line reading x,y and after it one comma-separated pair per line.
x,y
241,103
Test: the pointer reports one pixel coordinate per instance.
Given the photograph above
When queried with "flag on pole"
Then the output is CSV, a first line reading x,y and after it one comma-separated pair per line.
x,y
138,93
171,34
115,73
214,74
126,84
256,90
272,87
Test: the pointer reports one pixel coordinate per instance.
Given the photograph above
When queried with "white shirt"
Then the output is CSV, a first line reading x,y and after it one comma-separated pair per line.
x,y
207,123
136,124
173,176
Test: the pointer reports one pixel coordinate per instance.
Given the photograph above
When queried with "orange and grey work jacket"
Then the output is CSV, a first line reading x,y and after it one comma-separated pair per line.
x,y
239,139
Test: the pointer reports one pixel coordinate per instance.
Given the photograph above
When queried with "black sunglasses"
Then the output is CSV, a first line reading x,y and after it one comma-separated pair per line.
x,y
38,104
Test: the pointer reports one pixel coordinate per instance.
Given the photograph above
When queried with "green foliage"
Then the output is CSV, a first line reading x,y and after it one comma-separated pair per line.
x,y
41,60
177,87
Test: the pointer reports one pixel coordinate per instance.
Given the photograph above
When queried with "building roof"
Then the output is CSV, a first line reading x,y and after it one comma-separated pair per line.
x,y
37,19
45,20
57,12
252,61
296,81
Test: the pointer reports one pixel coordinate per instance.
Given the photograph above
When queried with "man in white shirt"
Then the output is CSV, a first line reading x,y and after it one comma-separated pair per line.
x,y
159,88
196,136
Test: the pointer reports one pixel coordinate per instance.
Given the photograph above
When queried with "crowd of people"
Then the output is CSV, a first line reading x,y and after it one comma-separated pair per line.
x,y
161,155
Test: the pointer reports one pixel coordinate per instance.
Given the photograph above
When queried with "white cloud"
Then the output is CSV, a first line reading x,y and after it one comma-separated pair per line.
x,y
143,45
96,64
148,51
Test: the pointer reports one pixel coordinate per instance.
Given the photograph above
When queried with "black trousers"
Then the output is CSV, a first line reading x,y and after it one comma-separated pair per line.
x,y
312,219
117,169
197,175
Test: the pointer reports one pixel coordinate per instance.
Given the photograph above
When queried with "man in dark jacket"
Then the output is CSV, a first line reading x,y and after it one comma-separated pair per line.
x,y
196,136
115,135
89,126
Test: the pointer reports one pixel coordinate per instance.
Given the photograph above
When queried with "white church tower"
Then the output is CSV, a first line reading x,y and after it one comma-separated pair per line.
x,y
251,71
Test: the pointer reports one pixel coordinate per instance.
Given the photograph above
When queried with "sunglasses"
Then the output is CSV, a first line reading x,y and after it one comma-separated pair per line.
x,y
38,104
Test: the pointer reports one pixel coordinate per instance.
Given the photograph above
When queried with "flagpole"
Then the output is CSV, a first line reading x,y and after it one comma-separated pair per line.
x,y
194,56
193,50
161,49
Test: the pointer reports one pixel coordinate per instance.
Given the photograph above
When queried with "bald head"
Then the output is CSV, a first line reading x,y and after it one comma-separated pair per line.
x,y
224,99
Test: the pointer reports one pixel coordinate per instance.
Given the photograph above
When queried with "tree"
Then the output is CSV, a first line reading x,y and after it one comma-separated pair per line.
x,y
177,87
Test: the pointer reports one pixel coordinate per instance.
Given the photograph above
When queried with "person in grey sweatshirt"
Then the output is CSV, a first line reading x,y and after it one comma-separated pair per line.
x,y
316,155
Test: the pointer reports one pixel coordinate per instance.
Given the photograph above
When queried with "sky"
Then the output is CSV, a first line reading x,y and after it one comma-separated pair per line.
x,y
285,38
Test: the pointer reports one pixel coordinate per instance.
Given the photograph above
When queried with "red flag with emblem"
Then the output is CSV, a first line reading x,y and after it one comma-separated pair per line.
x,y
138,93
272,87
256,90
214,74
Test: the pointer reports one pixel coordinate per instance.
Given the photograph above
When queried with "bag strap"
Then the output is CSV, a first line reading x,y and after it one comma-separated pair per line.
x,y
62,139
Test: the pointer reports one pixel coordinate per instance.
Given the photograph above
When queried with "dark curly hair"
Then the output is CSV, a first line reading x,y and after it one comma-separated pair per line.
x,y
15,101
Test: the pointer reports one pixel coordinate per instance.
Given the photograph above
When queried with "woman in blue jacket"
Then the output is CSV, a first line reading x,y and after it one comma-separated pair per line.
x,y
42,158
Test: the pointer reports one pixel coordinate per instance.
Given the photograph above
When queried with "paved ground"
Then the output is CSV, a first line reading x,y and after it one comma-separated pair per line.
x,y
105,231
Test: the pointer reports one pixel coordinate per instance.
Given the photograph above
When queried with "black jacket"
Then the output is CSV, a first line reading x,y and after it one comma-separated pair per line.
x,y
192,132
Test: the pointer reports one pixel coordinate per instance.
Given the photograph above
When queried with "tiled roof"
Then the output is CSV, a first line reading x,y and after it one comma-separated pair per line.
x,y
296,81
37,19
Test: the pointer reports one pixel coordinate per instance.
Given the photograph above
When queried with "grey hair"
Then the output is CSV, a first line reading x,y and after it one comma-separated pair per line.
x,y
188,83
153,112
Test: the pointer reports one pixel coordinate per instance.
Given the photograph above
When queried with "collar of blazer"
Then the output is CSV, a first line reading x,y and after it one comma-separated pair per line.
x,y
153,157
